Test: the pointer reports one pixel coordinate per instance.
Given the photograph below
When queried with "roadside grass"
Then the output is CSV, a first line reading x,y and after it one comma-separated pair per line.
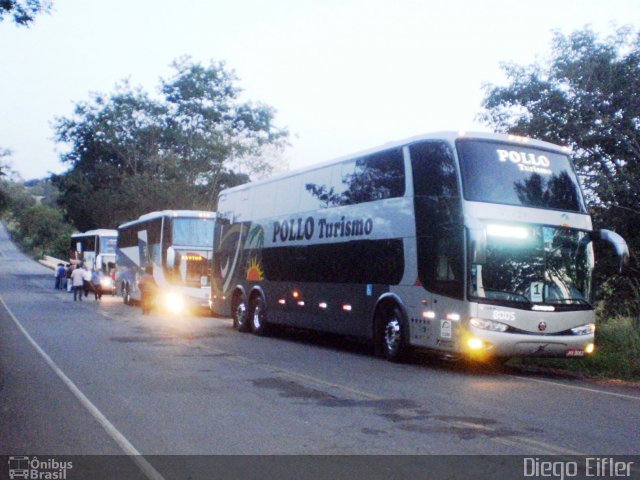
x,y
617,353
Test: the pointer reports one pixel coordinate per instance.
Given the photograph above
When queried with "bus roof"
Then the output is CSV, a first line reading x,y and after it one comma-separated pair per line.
x,y
445,135
171,213
101,232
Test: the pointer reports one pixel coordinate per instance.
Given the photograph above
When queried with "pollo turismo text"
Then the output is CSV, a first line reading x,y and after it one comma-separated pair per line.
x,y
306,229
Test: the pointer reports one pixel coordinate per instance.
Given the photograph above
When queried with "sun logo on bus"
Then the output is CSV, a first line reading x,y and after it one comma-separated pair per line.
x,y
254,272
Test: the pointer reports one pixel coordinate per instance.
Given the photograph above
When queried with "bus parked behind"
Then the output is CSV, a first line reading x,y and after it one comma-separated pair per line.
x,y
175,247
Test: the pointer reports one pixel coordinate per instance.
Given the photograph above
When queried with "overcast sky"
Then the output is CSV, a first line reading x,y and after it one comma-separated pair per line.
x,y
344,75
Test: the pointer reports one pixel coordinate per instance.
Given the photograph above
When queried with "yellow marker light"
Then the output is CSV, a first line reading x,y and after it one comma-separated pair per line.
x,y
296,294
475,343
589,348
174,302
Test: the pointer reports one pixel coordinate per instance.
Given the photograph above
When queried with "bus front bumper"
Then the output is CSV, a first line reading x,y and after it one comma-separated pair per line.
x,y
503,344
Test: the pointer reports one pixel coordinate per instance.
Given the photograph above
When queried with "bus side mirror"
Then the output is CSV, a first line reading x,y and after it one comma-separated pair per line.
x,y
618,243
477,242
171,258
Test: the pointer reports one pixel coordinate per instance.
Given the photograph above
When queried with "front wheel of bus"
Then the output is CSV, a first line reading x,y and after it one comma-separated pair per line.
x,y
258,316
240,314
392,335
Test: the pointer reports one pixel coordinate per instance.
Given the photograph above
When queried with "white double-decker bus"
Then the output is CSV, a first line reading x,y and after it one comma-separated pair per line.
x,y
178,246
466,244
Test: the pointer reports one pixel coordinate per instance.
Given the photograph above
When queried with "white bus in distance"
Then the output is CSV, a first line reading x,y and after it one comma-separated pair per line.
x,y
178,245
96,249
474,245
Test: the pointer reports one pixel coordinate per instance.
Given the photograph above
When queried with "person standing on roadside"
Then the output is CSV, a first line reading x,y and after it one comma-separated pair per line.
x,y
96,278
77,282
88,287
148,290
59,276
67,272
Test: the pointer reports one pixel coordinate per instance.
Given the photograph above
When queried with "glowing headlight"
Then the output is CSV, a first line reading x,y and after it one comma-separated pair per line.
x,y
475,343
174,302
587,329
488,325
106,282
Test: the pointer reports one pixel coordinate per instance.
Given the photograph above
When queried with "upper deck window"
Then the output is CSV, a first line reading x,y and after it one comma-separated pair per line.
x,y
375,177
513,174
108,244
193,232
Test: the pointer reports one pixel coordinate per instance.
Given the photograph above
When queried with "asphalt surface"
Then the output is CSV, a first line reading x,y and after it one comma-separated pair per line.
x,y
160,385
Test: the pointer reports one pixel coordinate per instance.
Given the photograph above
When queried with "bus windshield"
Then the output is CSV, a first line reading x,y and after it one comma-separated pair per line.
x,y
108,245
528,265
512,174
193,232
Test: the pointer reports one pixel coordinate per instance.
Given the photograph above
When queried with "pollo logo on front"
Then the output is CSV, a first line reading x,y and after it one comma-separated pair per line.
x,y
526,162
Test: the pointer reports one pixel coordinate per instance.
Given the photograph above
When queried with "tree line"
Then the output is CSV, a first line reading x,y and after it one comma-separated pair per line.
x,y
131,152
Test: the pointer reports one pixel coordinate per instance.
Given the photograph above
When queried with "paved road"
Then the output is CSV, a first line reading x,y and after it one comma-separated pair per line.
x,y
160,385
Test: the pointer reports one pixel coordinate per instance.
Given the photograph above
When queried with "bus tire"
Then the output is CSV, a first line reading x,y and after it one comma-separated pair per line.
x,y
392,334
240,313
257,316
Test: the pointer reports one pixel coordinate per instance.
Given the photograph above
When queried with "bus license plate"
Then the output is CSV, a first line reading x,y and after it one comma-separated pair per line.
x,y
575,352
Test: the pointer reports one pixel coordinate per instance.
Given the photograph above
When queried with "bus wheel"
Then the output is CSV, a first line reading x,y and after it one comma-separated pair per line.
x,y
392,335
258,316
240,314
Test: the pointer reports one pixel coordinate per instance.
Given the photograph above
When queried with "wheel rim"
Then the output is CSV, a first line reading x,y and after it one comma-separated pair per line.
x,y
241,313
257,320
392,335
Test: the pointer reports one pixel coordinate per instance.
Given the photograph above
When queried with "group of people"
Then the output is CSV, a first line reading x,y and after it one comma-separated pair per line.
x,y
79,280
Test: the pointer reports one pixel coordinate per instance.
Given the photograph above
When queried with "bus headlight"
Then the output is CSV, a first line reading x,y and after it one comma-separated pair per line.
x,y
475,343
174,302
488,325
106,282
587,329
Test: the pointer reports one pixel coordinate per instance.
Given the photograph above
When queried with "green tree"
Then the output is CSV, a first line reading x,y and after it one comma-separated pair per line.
x,y
23,12
587,96
4,168
130,154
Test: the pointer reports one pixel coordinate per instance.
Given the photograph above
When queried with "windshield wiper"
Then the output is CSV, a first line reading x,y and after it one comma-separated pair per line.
x,y
556,301
510,294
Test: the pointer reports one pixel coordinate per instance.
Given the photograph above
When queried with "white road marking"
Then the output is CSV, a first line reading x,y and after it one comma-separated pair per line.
x,y
148,470
576,387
